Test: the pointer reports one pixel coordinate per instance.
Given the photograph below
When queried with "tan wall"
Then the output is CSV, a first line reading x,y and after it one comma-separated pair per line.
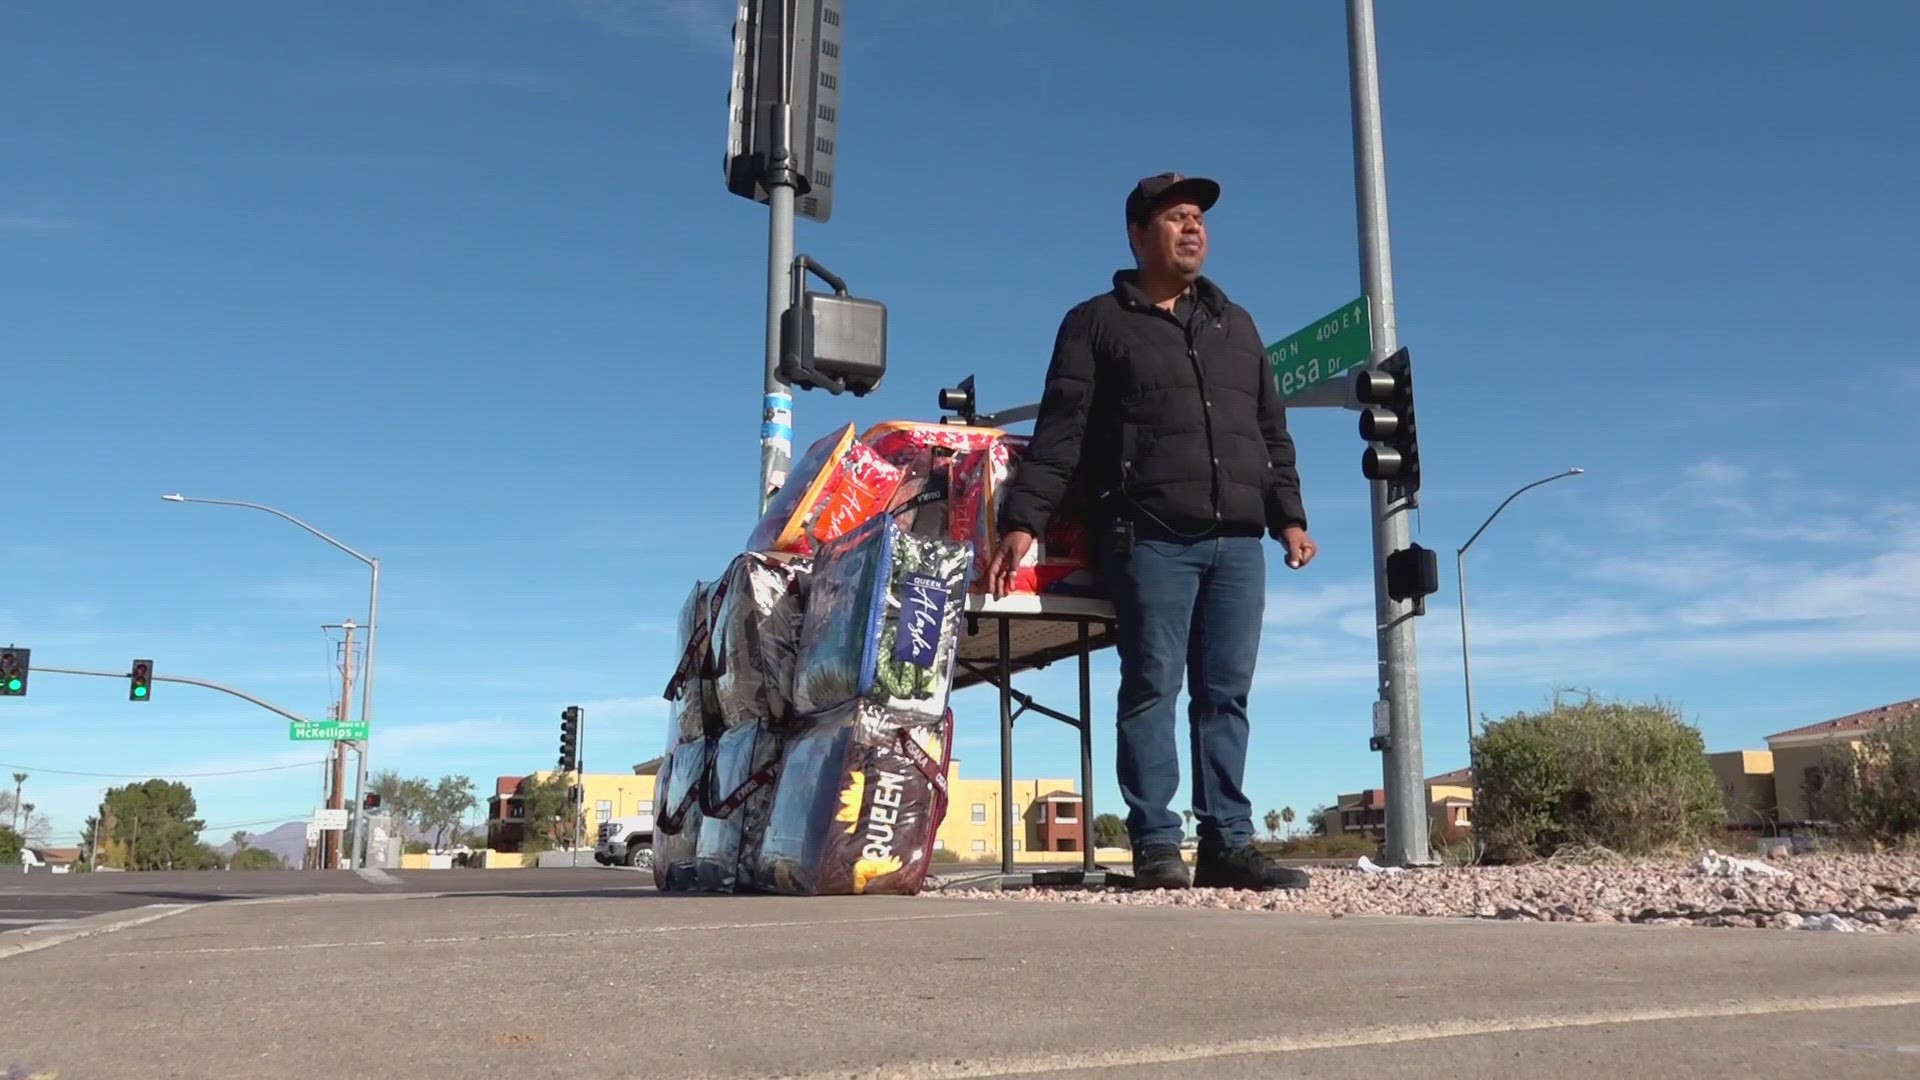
x,y
1790,765
1747,786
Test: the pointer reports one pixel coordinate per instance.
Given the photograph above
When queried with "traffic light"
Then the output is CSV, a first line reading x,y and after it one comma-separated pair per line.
x,y
1413,573
13,671
1393,448
570,738
140,686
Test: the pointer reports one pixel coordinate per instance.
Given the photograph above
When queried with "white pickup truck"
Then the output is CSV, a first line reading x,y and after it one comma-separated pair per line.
x,y
626,841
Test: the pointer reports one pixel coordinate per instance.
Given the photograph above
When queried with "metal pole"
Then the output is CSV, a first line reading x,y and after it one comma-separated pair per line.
x,y
366,708
1460,576
776,403
241,694
580,785
1402,762
1466,665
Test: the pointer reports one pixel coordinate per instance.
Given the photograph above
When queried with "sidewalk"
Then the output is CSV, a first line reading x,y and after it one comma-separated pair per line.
x,y
667,986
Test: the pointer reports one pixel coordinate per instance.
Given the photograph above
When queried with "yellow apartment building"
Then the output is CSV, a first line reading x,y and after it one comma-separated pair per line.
x,y
1798,753
607,795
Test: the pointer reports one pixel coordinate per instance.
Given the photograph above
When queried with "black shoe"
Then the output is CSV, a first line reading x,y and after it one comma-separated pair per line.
x,y
1245,868
1159,866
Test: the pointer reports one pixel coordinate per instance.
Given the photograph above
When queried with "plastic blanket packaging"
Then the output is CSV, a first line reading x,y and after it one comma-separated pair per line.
x,y
695,707
1058,560
835,487
677,816
882,621
861,794
739,788
755,638
902,441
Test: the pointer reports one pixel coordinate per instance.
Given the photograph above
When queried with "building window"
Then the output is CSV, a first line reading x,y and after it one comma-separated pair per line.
x,y
979,845
823,144
979,813
1017,846
825,112
827,81
645,806
1066,813
604,808
822,178
829,48
830,16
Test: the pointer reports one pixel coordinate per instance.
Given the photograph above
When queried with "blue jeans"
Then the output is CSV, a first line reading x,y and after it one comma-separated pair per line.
x,y
1194,608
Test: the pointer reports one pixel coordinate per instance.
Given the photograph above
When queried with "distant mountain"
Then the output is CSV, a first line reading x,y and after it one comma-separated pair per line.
x,y
289,841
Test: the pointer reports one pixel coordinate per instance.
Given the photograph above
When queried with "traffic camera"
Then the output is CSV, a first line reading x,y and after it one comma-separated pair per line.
x,y
834,343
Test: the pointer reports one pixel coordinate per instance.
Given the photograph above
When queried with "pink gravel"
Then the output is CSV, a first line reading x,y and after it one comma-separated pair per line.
x,y
1860,893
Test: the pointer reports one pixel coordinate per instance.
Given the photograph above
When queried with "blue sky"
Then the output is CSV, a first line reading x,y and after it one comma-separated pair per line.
x,y
460,284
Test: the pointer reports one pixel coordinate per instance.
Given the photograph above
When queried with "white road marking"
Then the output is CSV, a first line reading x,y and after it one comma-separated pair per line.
x,y
1377,1035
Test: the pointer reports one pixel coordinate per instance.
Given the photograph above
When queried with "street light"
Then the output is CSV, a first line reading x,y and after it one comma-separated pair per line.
x,y
1460,577
366,677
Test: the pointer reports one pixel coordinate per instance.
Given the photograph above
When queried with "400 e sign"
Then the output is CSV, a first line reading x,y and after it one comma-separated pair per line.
x,y
1327,349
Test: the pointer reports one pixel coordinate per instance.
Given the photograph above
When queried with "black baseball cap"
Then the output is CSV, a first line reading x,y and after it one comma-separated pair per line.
x,y
1155,190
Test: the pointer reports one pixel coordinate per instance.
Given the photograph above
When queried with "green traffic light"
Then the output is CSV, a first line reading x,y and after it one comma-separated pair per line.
x,y
139,691
13,685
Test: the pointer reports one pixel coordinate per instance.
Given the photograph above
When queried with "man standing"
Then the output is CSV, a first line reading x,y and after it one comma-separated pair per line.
x,y
1161,415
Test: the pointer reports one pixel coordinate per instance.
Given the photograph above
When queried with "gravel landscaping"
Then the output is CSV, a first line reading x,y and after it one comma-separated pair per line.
x,y
1848,893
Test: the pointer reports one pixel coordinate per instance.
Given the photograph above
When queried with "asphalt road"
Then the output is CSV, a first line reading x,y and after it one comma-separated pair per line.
x,y
33,900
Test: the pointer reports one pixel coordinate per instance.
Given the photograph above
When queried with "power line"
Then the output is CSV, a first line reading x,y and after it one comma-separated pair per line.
x,y
162,776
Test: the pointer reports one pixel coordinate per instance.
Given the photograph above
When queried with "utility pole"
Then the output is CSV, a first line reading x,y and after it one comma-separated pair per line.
x,y
781,182
1402,760
19,782
337,796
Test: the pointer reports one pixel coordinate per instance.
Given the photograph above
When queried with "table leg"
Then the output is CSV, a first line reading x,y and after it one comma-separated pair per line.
x,y
1006,746
1086,750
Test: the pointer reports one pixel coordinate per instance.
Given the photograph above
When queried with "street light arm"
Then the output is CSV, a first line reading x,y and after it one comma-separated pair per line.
x,y
241,694
1503,505
281,514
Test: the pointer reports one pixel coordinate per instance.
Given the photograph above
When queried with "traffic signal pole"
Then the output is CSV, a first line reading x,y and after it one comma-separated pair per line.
x,y
776,408
1402,759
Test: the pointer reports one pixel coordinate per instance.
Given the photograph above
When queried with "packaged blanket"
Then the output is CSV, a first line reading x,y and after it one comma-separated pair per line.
x,y
737,793
882,621
694,698
1058,560
860,796
677,816
835,486
755,638
902,441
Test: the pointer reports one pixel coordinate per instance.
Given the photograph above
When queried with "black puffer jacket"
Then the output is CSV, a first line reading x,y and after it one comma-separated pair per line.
x,y
1168,419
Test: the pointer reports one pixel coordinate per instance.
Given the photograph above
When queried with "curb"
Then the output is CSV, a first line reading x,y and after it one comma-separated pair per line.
x,y
89,927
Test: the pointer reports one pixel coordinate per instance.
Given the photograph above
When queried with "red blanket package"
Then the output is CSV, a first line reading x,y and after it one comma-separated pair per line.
x,y
1058,561
861,792
835,487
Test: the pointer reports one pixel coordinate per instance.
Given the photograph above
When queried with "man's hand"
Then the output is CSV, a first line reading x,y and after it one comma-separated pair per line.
x,y
1006,561
1300,547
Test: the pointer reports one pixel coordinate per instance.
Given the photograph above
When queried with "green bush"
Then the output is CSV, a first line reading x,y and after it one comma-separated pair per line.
x,y
1872,792
1632,778
1344,846
10,845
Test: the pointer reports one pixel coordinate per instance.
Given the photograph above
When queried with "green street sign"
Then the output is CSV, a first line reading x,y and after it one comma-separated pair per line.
x,y
325,731
1329,348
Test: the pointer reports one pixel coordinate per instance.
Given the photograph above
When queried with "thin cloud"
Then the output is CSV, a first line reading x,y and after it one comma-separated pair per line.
x,y
704,22
33,223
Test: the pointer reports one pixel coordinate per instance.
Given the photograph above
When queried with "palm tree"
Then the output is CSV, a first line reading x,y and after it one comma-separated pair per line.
x,y
1286,815
1188,814
1273,823
19,779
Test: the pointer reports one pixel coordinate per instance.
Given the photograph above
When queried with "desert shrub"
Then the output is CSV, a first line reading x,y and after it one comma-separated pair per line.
x,y
1344,846
10,847
1871,791
1629,777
